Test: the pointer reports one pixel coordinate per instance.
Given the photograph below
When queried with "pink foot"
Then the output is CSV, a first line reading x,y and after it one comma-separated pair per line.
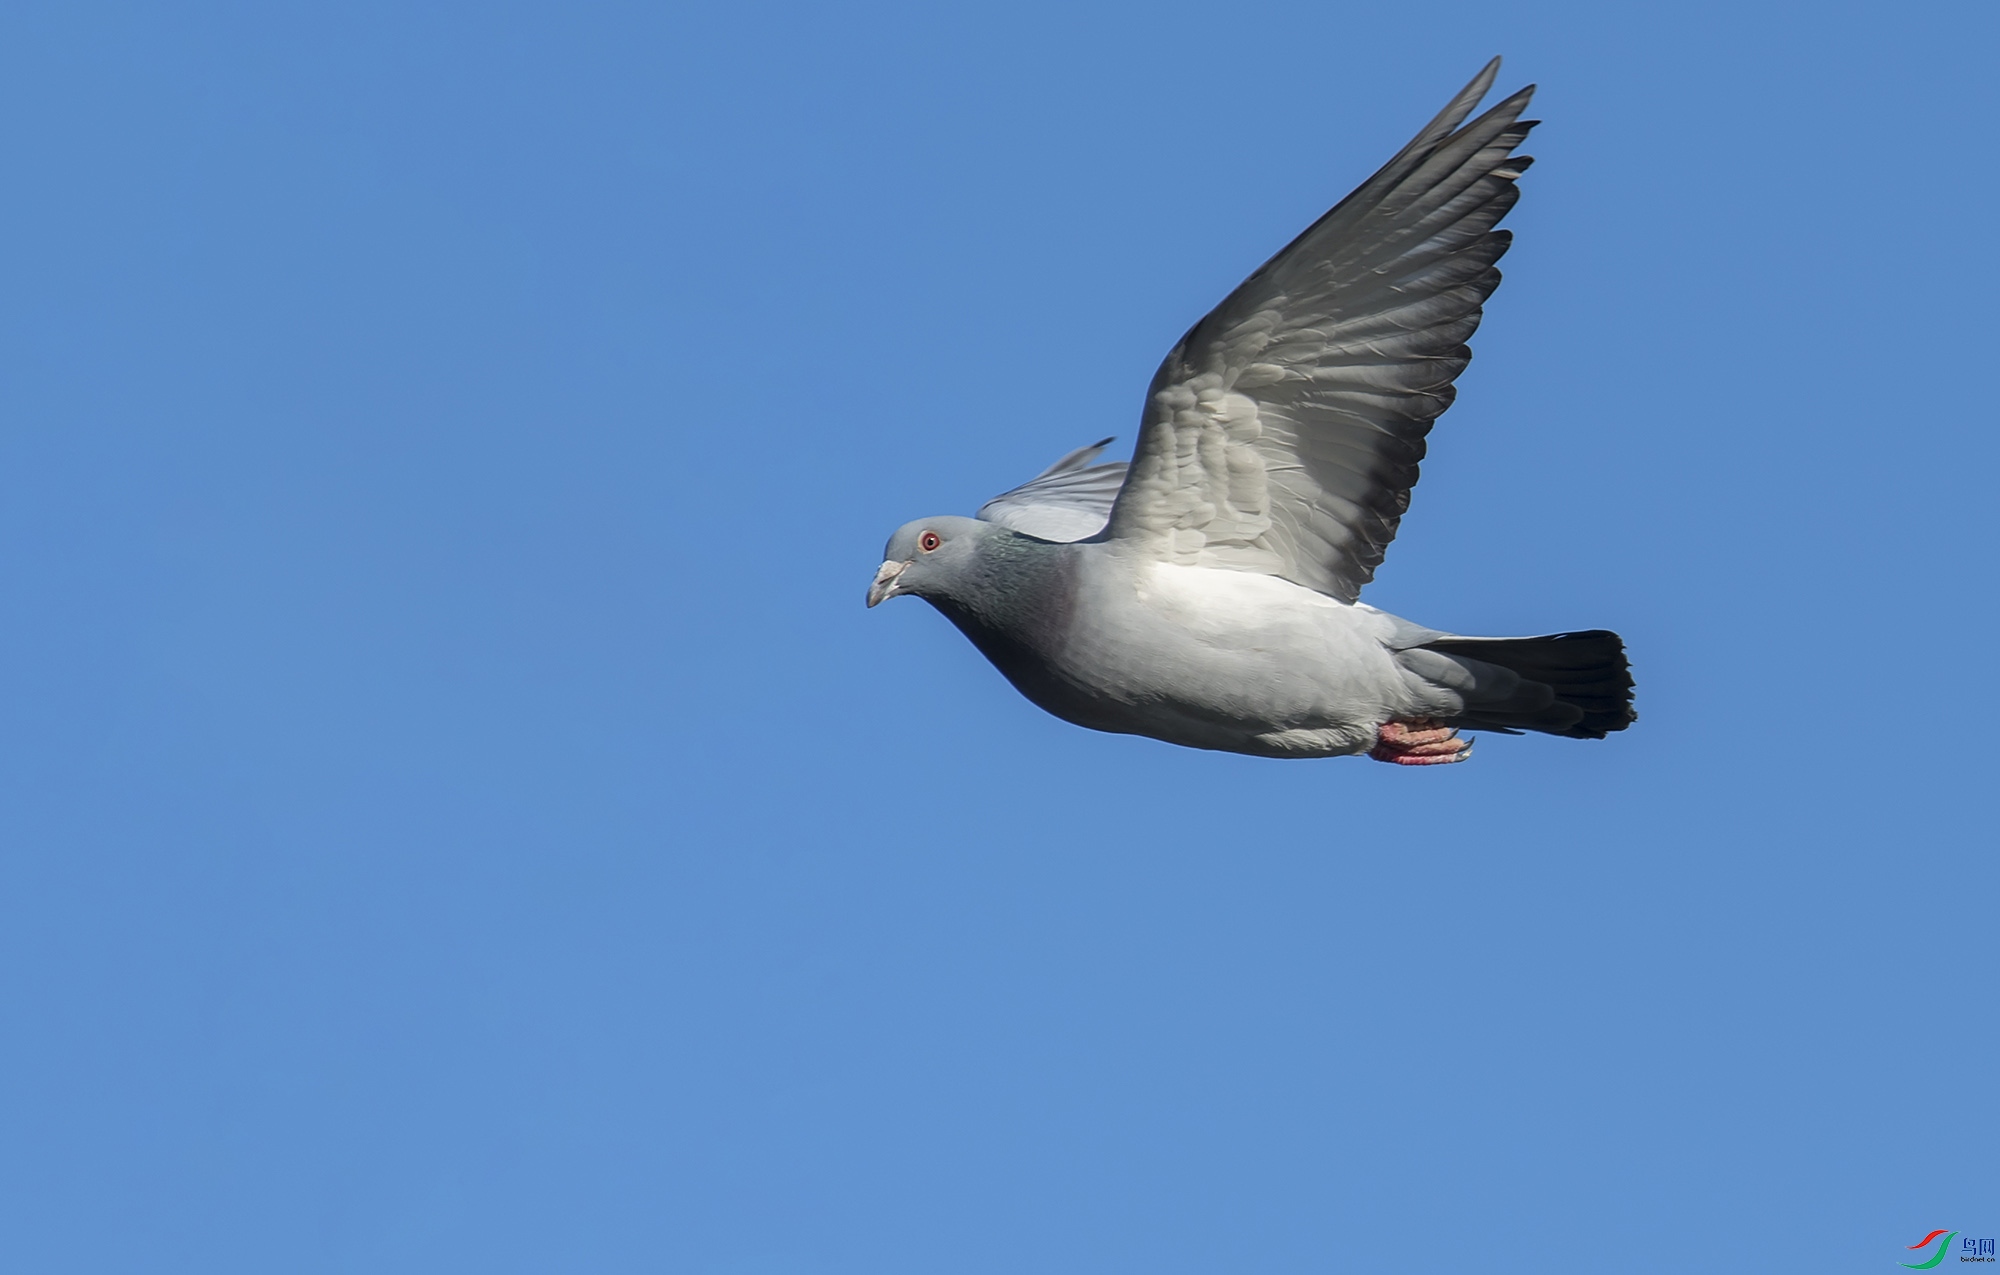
x,y
1422,742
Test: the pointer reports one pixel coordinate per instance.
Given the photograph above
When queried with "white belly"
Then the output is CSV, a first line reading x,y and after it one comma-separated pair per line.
x,y
1229,659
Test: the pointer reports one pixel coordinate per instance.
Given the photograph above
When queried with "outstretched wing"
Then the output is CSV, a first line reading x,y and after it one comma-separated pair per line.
x,y
1070,500
1282,435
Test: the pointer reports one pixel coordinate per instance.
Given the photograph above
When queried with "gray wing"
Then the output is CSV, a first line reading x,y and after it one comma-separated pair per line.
x,y
1070,500
1282,435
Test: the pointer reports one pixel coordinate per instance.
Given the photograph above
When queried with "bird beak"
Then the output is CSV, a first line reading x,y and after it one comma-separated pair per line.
x,y
885,582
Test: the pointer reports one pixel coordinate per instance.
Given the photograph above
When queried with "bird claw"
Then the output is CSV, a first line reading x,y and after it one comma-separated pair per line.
x,y
1421,742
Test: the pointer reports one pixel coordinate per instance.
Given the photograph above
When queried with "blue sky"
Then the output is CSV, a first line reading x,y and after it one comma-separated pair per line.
x,y
457,815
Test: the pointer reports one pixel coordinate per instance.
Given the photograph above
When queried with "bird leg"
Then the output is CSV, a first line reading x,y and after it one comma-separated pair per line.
x,y
1424,741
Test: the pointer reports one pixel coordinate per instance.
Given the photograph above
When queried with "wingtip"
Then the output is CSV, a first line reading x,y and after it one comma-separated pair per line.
x,y
1491,72
1461,105
1480,83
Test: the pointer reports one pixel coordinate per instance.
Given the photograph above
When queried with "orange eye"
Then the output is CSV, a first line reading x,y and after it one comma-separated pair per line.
x,y
928,541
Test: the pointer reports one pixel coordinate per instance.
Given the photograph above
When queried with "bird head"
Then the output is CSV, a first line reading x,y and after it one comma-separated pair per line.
x,y
928,556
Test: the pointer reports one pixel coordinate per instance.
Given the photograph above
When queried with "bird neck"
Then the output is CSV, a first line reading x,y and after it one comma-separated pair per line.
x,y
1016,592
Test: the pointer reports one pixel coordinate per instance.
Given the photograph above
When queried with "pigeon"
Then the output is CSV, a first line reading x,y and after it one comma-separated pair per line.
x,y
1208,593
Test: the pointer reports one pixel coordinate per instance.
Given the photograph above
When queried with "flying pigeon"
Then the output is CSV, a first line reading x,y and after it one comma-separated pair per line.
x,y
1208,594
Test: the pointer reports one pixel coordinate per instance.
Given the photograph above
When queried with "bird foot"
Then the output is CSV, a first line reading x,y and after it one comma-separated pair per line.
x,y
1422,742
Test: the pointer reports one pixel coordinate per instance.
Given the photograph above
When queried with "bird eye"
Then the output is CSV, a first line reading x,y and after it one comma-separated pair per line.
x,y
928,541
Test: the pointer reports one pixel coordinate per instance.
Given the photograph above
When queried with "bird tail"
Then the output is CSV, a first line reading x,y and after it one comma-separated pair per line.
x,y
1573,684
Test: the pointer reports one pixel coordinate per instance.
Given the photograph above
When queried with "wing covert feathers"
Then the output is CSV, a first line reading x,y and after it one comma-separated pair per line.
x,y
1283,434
